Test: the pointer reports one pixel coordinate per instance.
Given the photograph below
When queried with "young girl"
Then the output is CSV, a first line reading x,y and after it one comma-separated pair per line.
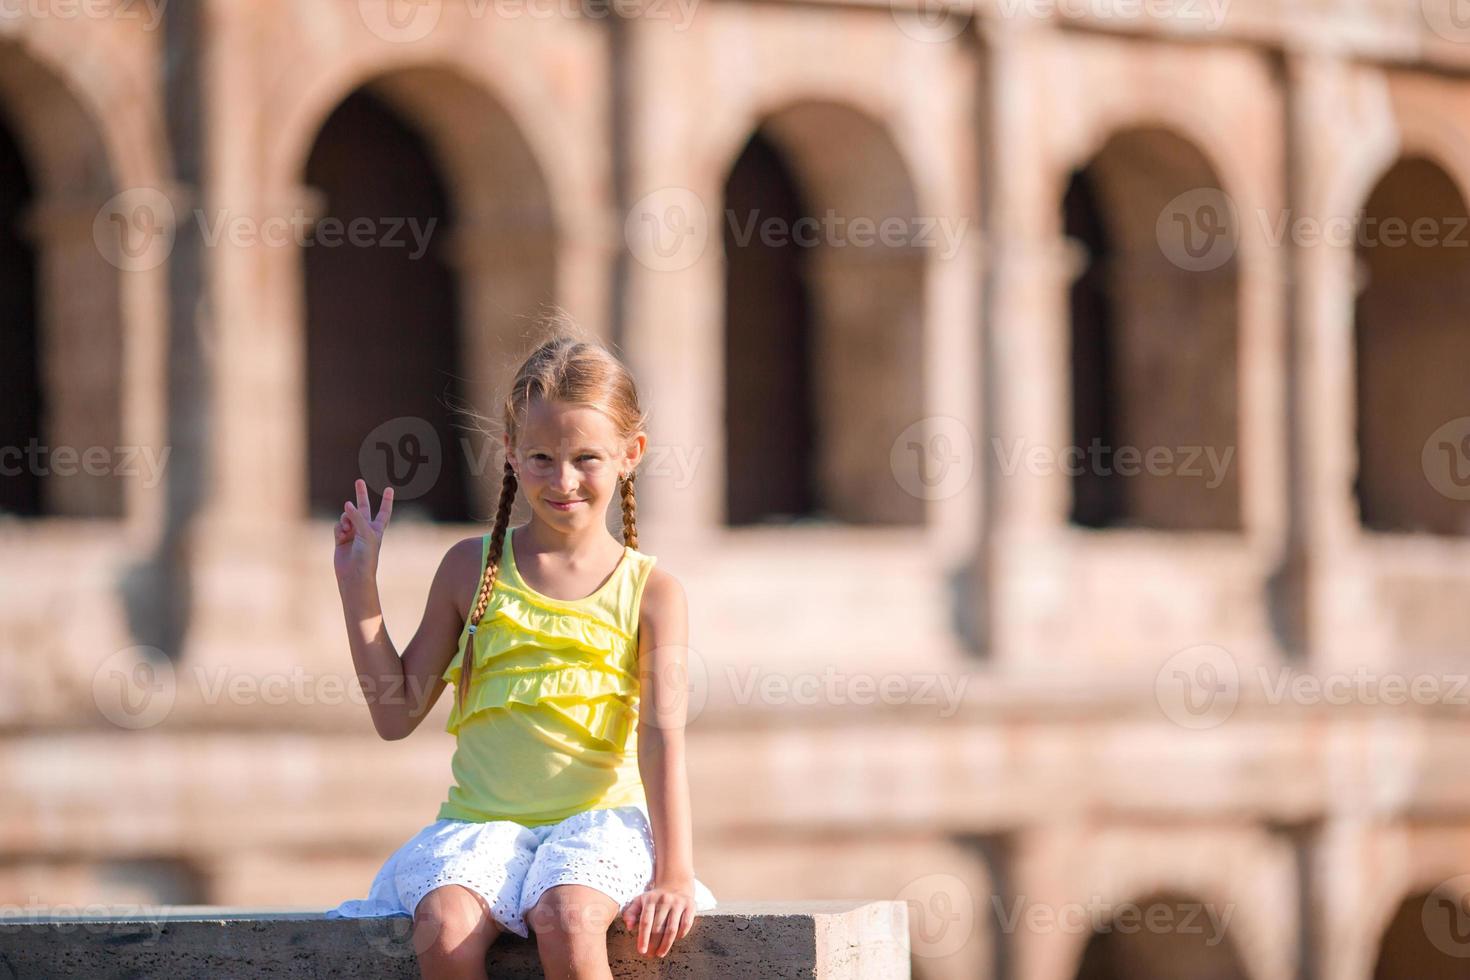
x,y
569,696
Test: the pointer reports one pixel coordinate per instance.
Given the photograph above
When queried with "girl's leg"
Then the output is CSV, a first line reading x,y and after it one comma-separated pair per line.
x,y
570,923
452,933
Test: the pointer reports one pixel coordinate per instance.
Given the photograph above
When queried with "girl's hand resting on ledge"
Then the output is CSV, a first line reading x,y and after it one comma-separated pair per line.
x,y
660,915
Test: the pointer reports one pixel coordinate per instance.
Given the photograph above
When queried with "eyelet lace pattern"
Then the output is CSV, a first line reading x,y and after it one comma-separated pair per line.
x,y
511,866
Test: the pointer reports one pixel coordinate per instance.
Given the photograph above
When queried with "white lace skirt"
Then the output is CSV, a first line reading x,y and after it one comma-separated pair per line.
x,y
510,865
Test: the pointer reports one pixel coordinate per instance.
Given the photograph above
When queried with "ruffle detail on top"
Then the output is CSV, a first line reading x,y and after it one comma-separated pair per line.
x,y
585,670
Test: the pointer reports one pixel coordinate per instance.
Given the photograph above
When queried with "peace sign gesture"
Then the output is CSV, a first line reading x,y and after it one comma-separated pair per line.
x,y
359,537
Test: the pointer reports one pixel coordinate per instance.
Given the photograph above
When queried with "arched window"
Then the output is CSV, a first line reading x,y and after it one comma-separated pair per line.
x,y
1163,936
64,235
1428,938
1413,346
382,311
824,253
1154,325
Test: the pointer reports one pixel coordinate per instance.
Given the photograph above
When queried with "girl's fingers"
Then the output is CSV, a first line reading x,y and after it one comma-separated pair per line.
x,y
362,498
655,937
359,523
645,927
385,510
671,931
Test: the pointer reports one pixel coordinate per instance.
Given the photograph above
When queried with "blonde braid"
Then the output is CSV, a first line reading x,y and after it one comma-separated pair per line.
x,y
487,580
630,512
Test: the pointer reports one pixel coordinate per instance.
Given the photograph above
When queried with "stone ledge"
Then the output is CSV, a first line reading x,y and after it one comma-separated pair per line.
x,y
830,940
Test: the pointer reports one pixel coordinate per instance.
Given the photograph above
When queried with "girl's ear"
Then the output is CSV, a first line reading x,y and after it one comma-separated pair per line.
x,y
636,447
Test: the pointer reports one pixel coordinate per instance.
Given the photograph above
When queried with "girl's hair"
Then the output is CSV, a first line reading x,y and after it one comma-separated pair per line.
x,y
572,367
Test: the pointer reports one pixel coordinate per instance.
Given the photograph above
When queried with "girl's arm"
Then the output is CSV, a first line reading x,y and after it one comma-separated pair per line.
x,y
399,691
663,636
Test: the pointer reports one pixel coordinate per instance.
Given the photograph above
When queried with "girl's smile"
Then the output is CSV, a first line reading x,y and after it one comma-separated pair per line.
x,y
570,459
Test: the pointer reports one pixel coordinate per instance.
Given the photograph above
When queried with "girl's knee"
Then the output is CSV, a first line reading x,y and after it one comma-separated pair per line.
x,y
569,915
452,923
571,931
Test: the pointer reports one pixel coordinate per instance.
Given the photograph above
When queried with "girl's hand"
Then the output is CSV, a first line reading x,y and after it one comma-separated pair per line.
x,y
660,915
359,537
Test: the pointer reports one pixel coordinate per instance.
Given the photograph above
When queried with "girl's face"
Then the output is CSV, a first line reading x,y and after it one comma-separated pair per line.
x,y
568,462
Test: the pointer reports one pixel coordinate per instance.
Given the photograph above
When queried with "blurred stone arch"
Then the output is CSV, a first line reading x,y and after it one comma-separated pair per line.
x,y
66,342
1411,252
1146,953
449,335
823,344
1154,340
1425,936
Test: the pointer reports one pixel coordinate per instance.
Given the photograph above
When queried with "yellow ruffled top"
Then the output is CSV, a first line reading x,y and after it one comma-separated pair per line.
x,y
550,723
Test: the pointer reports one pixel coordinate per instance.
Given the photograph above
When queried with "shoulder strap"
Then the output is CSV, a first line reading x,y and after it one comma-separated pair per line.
x,y
640,580
467,662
